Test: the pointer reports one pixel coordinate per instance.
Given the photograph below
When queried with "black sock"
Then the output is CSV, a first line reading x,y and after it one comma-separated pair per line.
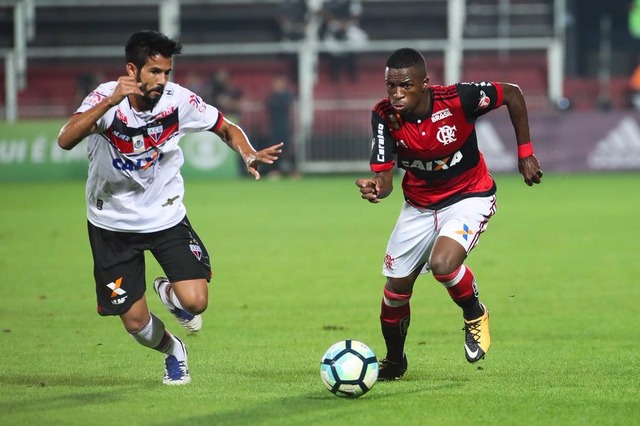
x,y
394,337
471,308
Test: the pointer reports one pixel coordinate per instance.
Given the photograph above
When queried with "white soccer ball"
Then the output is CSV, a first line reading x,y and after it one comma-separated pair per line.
x,y
349,369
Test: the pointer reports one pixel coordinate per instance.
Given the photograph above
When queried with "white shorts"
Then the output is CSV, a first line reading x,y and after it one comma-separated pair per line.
x,y
416,230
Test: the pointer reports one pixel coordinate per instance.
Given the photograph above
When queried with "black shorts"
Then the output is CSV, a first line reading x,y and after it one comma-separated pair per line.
x,y
119,262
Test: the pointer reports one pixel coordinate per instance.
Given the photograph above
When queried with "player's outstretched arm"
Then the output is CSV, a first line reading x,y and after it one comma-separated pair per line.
x,y
376,188
237,140
528,164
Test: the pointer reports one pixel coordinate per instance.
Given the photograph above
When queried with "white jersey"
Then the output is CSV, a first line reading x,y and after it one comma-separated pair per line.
x,y
134,182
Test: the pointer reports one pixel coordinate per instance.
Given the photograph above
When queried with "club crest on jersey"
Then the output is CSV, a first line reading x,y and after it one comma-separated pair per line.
x,y
446,134
484,101
155,132
442,114
196,250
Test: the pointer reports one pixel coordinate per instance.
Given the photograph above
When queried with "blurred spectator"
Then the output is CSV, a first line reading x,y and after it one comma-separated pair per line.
x,y
634,88
340,28
197,84
292,17
225,96
228,98
85,84
279,105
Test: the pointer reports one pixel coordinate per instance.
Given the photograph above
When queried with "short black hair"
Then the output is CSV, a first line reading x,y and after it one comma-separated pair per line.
x,y
145,44
407,58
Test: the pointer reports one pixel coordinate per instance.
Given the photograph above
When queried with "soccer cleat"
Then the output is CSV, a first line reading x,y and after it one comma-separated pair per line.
x,y
192,323
477,338
176,372
391,370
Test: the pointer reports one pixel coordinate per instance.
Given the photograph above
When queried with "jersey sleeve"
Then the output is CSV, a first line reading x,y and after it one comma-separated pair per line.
x,y
383,146
96,96
195,114
479,98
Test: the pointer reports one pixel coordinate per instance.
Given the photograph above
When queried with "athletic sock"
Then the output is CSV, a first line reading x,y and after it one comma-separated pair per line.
x,y
395,316
461,285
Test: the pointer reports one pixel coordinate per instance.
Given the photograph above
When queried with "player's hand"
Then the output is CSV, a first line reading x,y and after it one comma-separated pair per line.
x,y
264,156
369,189
529,168
127,85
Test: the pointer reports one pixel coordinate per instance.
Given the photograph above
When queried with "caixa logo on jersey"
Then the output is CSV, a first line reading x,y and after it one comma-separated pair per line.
x,y
139,164
435,165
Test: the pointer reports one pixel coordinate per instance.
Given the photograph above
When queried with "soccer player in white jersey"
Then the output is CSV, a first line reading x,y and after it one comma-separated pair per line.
x,y
135,193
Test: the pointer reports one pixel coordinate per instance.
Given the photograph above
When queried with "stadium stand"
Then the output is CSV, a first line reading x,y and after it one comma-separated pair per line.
x,y
52,83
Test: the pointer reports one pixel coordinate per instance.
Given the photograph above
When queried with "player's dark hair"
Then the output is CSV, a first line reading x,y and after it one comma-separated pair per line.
x,y
407,58
145,44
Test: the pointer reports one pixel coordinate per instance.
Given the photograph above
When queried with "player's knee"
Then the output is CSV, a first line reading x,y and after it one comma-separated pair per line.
x,y
399,285
442,265
195,305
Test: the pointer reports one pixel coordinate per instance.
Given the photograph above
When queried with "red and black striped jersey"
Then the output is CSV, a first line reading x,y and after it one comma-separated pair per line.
x,y
439,152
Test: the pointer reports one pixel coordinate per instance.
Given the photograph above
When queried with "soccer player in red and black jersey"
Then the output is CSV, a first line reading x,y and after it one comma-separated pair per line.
x,y
429,132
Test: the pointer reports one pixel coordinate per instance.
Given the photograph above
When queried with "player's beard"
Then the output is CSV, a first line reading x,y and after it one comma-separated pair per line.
x,y
146,96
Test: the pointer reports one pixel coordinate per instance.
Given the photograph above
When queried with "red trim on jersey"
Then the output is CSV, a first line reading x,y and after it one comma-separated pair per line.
x,y
499,92
379,168
218,122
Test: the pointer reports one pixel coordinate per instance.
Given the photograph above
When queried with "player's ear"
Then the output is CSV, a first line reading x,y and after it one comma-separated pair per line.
x,y
132,70
425,82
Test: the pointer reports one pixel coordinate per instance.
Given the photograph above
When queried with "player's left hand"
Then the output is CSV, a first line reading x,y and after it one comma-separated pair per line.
x,y
268,155
529,168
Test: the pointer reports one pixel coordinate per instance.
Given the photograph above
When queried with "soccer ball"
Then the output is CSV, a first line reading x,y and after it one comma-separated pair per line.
x,y
349,368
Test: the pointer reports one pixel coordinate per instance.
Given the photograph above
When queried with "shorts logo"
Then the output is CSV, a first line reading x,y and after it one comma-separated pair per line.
x,y
118,295
196,250
465,232
388,261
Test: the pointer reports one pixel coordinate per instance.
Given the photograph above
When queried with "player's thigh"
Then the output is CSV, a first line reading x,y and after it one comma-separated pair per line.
x,y
118,269
466,220
181,253
410,242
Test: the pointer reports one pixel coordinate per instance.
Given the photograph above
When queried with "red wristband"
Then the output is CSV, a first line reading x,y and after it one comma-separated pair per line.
x,y
525,150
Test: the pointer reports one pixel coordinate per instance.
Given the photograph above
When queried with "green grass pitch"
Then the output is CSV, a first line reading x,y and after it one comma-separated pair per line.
x,y
297,268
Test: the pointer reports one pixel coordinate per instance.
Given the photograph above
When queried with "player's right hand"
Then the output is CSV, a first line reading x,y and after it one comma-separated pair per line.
x,y
369,189
127,85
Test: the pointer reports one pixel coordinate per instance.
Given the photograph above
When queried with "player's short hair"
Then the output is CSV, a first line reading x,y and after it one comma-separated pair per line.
x,y
407,58
145,44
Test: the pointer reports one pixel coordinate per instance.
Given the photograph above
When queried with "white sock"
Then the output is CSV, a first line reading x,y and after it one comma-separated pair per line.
x,y
174,299
176,349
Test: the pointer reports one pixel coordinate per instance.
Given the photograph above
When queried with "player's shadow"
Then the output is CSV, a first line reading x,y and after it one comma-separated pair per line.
x,y
319,407
76,394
